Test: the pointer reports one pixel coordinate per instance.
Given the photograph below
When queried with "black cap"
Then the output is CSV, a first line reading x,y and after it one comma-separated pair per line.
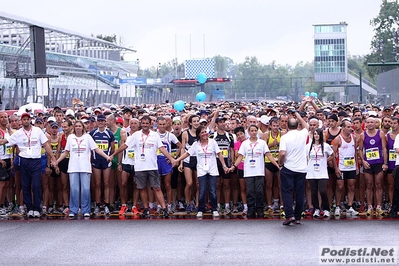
x,y
54,124
333,117
127,109
220,118
101,117
387,108
343,113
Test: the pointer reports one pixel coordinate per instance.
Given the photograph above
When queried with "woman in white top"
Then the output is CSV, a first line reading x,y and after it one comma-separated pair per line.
x,y
318,153
254,151
205,150
79,146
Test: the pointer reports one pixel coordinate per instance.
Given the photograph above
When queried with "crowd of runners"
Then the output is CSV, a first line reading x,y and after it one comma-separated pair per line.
x,y
223,158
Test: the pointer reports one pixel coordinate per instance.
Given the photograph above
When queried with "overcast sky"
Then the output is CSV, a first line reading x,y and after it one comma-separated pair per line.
x,y
279,30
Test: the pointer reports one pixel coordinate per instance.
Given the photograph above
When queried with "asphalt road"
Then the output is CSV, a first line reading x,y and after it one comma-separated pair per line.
x,y
182,241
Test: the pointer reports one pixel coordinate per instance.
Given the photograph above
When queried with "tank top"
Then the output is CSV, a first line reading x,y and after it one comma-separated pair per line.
x,y
346,155
373,148
63,144
173,147
331,137
391,152
117,137
190,141
274,149
54,147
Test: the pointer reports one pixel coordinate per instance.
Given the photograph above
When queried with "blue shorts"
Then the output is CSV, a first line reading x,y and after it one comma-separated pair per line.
x,y
43,159
164,167
100,164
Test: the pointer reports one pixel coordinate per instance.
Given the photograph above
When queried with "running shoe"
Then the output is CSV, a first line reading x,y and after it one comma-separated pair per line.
x,y
169,209
199,214
352,212
309,212
44,210
268,210
96,210
227,210
326,214
159,210
66,210
21,210
379,211
369,211
106,210
215,214
188,209
146,213
181,206
61,209
165,213
10,207
337,211
316,213
303,214
194,209
135,210
123,210
50,210
30,214
361,209
3,211
282,212
245,211
235,209
86,215
36,214
71,215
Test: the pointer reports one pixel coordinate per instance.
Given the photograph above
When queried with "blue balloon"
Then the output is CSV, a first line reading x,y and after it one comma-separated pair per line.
x,y
307,94
201,96
201,77
313,94
178,105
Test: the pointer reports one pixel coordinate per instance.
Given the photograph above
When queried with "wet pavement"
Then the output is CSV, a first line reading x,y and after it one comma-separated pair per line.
x,y
183,240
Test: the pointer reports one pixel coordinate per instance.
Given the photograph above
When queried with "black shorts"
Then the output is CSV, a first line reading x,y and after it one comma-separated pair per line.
x,y
63,165
389,171
346,175
240,173
7,175
271,167
192,164
101,164
128,168
330,171
53,173
374,169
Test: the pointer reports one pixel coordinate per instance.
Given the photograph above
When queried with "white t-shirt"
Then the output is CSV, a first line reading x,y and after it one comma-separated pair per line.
x,y
6,149
145,150
395,146
294,143
29,142
206,157
80,153
317,161
254,157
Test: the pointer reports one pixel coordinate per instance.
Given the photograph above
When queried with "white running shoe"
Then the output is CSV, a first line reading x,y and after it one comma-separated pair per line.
x,y
351,211
36,214
199,214
316,213
326,214
30,214
215,214
337,211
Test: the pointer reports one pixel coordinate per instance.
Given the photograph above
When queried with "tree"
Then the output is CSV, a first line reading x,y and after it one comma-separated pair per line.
x,y
385,43
111,38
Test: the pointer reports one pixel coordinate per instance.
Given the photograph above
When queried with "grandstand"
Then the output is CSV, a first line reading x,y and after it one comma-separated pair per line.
x,y
76,65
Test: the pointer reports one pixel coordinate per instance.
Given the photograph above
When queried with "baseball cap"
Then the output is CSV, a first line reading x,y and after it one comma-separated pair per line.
x,y
202,120
333,117
39,120
25,114
343,113
54,124
84,120
119,120
264,119
51,119
101,117
69,112
220,119
387,108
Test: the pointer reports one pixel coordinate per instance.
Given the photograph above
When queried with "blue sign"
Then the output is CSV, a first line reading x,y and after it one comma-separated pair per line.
x,y
136,81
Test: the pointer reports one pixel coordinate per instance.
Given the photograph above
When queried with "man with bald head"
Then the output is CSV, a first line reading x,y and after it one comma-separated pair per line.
x,y
293,163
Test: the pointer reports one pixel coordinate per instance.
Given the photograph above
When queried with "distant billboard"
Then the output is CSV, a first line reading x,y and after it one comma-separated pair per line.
x,y
195,66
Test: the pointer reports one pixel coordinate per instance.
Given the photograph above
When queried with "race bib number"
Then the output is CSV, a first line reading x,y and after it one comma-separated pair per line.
x,y
173,152
8,149
130,154
372,154
392,155
159,152
43,151
274,153
116,146
225,152
102,145
349,161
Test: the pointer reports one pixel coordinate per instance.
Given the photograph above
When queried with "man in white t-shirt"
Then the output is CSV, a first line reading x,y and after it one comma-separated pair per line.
x,y
292,159
145,143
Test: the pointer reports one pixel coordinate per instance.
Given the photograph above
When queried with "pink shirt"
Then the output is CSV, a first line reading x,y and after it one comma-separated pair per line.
x,y
237,146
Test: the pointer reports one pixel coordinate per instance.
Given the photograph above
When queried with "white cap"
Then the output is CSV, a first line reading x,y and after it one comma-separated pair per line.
x,y
264,119
69,112
51,119
203,120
